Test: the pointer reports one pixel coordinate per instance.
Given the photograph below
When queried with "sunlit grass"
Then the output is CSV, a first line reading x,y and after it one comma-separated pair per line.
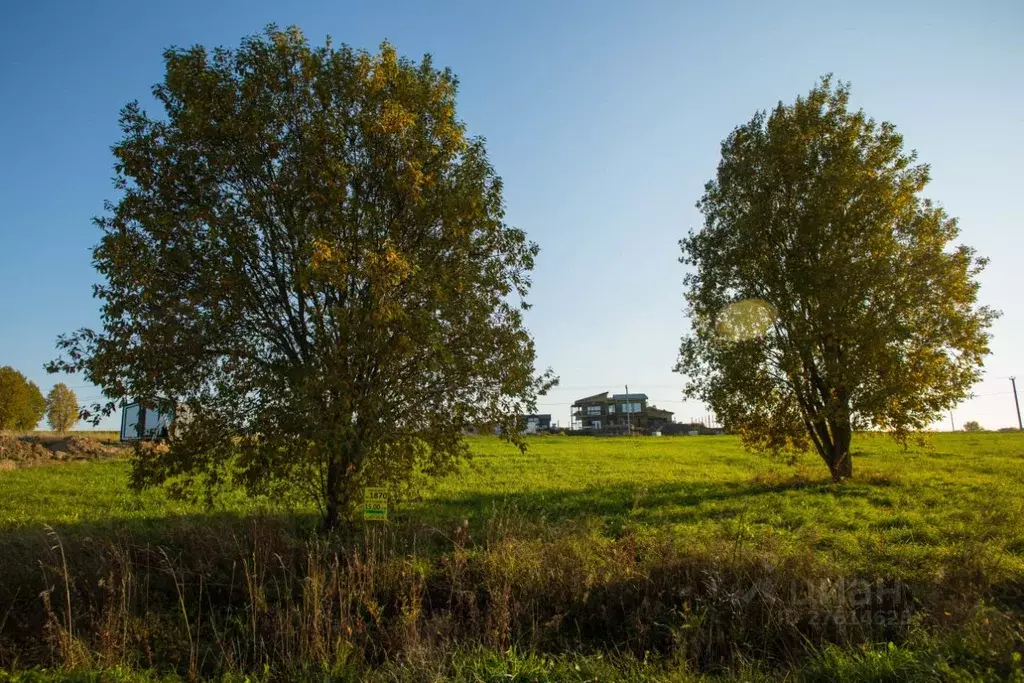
x,y
905,511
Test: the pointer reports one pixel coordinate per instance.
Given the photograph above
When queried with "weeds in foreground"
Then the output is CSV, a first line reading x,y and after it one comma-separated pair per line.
x,y
268,601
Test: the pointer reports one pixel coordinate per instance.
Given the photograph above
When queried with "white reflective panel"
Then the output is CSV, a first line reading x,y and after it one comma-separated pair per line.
x,y
163,424
130,422
152,422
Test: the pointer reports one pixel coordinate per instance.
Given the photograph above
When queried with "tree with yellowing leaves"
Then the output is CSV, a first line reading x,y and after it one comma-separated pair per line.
x,y
310,254
61,408
825,292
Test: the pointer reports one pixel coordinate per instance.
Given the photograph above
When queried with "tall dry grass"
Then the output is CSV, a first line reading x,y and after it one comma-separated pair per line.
x,y
260,597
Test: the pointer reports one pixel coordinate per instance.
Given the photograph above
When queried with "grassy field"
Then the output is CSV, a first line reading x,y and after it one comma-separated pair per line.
x,y
672,558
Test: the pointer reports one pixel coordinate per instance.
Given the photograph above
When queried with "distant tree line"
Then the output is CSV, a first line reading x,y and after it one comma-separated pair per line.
x,y
21,403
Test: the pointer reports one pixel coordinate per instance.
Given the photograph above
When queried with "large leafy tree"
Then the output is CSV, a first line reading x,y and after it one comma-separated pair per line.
x,y
310,254
61,408
825,294
21,403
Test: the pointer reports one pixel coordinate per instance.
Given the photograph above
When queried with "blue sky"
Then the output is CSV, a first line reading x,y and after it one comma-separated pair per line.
x,y
603,118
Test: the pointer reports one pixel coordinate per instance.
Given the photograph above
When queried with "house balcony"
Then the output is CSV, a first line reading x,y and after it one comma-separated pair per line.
x,y
581,414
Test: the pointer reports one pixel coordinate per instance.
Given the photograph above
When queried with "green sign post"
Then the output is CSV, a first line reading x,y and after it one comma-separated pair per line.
x,y
375,504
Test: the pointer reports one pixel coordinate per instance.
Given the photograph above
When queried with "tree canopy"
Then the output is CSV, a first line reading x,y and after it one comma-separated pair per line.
x,y
61,408
825,294
21,403
310,254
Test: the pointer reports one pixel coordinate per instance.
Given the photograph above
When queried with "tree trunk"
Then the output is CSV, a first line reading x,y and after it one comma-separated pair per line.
x,y
840,463
333,502
341,470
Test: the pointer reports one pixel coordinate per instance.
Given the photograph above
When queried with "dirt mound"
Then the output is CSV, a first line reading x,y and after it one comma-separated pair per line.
x,y
80,447
22,450
27,451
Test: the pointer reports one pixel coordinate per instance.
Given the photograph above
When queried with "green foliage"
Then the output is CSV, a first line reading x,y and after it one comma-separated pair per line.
x,y
311,255
61,408
982,649
816,213
21,403
972,426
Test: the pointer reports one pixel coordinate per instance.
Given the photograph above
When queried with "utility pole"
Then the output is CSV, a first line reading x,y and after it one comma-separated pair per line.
x,y
951,425
1013,381
629,418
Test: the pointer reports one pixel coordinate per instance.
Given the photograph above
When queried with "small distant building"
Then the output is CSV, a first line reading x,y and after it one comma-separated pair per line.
x,y
536,423
619,412
691,429
142,423
528,424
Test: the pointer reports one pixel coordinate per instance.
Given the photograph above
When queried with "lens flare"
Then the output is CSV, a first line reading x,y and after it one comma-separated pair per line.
x,y
746,319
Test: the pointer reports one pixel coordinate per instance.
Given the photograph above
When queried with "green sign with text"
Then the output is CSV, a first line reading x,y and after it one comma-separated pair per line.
x,y
375,504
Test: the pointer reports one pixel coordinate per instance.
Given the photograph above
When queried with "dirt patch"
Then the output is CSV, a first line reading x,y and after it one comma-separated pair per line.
x,y
22,451
83,447
29,451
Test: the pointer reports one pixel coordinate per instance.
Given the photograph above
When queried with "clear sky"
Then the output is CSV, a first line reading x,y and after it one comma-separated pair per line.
x,y
603,118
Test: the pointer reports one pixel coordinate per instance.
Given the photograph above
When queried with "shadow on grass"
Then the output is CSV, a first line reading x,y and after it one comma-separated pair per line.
x,y
30,556
613,504
428,527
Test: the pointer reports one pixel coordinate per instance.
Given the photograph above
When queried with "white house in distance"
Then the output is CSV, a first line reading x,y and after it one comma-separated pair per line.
x,y
141,423
535,423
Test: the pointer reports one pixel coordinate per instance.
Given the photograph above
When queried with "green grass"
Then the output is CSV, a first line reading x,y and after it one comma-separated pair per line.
x,y
571,529
95,493
904,507
905,512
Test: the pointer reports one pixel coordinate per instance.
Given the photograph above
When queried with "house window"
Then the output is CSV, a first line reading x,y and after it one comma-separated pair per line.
x,y
593,410
611,409
631,407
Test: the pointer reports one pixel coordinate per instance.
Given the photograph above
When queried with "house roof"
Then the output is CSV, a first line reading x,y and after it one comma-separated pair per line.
x,y
603,396
653,411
